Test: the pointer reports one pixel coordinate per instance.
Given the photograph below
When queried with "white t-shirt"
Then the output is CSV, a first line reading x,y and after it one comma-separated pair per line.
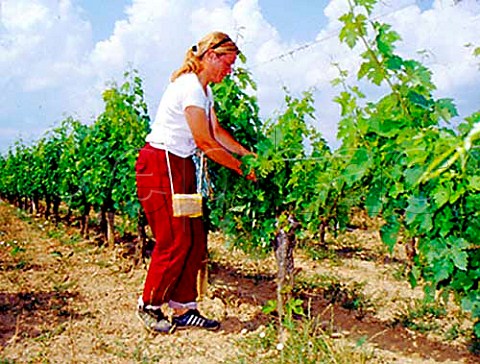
x,y
170,129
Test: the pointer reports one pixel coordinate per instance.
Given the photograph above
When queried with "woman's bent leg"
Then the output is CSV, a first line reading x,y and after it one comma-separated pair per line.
x,y
175,251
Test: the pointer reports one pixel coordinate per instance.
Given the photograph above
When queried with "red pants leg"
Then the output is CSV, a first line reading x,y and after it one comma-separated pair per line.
x,y
180,243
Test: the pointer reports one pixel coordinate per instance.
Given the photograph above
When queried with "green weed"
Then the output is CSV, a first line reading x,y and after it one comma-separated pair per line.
x,y
16,247
306,342
454,332
7,361
23,215
56,233
319,252
348,295
420,316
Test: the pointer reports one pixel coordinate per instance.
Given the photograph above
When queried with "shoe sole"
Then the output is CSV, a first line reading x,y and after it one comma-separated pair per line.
x,y
153,331
197,327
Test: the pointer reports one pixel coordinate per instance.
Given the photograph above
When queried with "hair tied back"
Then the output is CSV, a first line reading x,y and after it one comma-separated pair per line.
x,y
194,49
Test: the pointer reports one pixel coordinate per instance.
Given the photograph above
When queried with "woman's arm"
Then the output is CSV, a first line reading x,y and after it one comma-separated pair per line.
x,y
199,125
198,122
225,139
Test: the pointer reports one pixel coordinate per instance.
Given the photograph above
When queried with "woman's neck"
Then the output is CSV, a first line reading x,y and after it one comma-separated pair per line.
x,y
203,79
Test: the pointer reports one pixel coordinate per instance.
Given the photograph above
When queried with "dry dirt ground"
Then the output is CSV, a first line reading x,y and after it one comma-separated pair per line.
x,y
64,299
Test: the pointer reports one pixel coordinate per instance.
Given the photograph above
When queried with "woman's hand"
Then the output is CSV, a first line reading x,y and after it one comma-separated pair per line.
x,y
251,176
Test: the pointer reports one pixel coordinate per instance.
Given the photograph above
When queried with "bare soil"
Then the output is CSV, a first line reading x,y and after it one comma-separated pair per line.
x,y
64,299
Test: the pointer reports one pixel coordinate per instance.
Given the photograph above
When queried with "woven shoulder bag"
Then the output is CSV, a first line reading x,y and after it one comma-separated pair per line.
x,y
186,204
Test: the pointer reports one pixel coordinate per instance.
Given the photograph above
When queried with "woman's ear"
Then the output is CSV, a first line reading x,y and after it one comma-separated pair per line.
x,y
209,55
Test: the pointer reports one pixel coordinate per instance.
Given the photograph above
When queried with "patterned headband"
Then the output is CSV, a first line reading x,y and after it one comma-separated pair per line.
x,y
215,46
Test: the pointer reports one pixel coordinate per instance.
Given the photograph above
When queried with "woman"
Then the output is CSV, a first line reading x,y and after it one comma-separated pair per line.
x,y
185,121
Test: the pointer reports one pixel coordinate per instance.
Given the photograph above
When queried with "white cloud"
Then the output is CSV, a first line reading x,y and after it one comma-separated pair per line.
x,y
441,35
23,16
442,32
39,36
252,25
50,66
42,52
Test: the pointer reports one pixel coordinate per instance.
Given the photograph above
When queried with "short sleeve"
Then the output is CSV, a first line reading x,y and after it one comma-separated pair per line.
x,y
193,94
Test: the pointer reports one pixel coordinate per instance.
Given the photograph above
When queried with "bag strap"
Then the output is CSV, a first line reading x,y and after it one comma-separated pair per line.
x,y
169,171
199,179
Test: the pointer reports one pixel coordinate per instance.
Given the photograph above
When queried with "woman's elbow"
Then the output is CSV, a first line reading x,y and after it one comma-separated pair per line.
x,y
206,146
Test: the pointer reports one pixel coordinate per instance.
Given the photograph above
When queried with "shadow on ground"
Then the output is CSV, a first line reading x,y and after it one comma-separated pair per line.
x,y
235,288
31,314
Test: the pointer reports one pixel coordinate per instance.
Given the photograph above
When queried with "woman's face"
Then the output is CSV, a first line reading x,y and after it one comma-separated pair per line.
x,y
220,65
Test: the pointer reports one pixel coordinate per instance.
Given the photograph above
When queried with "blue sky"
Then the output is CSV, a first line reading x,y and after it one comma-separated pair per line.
x,y
57,56
295,19
103,15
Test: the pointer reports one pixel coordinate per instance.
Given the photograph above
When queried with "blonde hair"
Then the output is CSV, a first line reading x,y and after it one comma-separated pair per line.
x,y
219,42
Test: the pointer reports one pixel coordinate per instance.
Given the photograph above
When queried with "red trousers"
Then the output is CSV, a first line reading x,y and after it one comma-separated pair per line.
x,y
180,242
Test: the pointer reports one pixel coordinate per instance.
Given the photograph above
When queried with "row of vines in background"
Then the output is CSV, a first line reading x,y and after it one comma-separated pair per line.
x,y
84,167
399,159
422,177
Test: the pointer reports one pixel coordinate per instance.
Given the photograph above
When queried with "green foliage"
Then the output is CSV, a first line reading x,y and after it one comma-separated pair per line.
x,y
237,112
112,147
7,361
288,151
292,307
399,159
15,247
84,165
307,341
421,316
422,178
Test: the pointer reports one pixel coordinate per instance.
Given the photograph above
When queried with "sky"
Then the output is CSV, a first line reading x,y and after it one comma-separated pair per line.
x,y
57,56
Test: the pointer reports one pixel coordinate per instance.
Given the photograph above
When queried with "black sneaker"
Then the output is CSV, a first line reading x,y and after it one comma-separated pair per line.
x,y
192,318
154,320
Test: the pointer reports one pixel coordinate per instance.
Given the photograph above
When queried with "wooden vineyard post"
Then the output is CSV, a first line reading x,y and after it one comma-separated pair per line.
x,y
283,244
